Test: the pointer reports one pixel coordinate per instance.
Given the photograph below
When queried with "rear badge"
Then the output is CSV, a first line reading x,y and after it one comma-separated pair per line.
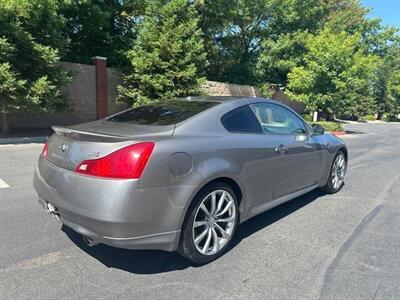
x,y
63,147
93,154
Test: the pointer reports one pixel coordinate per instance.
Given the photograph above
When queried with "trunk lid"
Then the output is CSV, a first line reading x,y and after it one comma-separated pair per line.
x,y
71,145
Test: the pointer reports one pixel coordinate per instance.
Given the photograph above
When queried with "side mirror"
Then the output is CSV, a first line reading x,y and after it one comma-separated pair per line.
x,y
318,129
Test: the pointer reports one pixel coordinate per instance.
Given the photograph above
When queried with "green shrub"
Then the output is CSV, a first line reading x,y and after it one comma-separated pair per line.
x,y
307,117
330,126
368,118
390,118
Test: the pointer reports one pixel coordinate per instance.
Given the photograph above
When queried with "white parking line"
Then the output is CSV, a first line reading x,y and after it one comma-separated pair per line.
x,y
3,184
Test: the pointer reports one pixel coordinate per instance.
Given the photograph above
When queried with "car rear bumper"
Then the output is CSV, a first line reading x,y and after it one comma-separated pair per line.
x,y
113,212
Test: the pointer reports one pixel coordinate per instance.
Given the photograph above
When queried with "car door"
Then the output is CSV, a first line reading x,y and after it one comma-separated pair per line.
x,y
296,162
248,148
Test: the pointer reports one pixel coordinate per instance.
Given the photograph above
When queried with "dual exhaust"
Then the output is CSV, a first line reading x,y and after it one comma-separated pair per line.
x,y
89,241
52,210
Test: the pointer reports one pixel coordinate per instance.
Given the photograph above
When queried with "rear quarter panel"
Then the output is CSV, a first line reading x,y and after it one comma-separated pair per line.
x,y
236,157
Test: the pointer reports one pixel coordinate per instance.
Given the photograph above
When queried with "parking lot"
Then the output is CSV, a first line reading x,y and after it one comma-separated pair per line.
x,y
342,246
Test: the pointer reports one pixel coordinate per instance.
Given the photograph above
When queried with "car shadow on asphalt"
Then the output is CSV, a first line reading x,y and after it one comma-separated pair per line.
x,y
153,262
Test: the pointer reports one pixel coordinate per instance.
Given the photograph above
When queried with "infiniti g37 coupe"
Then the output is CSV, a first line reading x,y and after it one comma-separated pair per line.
x,y
181,175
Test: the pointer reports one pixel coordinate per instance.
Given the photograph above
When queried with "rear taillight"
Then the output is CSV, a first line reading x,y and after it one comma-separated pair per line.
x,y
45,151
126,163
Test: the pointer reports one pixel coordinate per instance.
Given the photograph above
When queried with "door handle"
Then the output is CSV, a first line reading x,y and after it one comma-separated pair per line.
x,y
281,149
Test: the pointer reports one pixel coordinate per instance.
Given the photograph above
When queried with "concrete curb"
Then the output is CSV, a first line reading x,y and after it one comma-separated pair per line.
x,y
23,140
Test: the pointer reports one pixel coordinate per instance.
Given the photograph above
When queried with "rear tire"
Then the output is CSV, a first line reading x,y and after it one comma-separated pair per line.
x,y
210,224
336,175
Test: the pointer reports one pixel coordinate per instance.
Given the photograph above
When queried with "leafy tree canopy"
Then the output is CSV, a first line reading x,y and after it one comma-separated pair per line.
x,y
168,57
30,74
100,28
336,76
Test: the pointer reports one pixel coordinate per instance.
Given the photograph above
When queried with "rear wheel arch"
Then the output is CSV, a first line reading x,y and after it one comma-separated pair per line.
x,y
226,180
185,244
232,183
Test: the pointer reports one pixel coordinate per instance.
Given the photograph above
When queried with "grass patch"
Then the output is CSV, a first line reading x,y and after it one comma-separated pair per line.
x,y
368,118
330,126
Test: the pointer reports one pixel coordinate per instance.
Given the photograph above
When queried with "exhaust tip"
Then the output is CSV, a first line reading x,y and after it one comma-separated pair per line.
x,y
88,241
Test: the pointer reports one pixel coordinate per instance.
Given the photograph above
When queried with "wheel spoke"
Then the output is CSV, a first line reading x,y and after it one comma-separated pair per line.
x,y
225,235
204,208
215,239
342,162
213,203
201,236
199,223
333,170
334,180
226,220
220,202
208,241
228,205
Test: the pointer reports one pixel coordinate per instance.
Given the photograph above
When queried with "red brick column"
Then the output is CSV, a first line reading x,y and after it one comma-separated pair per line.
x,y
101,86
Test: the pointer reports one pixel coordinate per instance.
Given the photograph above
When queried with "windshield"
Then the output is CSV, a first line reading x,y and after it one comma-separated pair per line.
x,y
161,114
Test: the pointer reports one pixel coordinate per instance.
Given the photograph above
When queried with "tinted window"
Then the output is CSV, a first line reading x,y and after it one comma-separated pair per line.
x,y
276,119
166,113
241,119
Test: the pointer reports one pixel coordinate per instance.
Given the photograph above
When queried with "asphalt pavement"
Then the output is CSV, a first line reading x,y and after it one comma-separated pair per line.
x,y
342,246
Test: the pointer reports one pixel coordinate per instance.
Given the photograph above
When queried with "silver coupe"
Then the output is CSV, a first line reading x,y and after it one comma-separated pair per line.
x,y
181,175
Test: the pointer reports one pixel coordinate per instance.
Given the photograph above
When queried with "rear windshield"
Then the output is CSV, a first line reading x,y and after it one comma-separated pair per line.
x,y
160,114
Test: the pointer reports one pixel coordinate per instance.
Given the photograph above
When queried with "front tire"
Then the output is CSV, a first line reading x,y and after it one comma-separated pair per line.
x,y
336,175
210,224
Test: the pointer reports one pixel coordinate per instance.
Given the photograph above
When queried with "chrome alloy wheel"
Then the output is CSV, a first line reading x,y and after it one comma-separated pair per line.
x,y
214,222
338,171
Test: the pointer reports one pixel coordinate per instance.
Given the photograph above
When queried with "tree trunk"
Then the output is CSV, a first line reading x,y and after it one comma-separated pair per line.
x,y
5,126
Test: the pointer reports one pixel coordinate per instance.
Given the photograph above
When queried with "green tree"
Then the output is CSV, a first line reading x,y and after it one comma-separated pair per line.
x,y
385,43
279,57
345,15
233,31
387,86
394,94
30,74
292,21
168,57
100,28
336,76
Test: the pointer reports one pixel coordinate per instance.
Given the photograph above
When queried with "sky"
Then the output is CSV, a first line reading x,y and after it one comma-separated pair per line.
x,y
387,10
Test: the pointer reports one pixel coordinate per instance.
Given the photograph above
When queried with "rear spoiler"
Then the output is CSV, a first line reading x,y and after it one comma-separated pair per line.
x,y
66,131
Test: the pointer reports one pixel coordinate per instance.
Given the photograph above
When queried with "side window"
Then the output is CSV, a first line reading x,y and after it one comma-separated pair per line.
x,y
276,119
241,119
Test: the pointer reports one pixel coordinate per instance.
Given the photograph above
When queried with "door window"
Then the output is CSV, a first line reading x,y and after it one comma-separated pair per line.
x,y
276,119
242,120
